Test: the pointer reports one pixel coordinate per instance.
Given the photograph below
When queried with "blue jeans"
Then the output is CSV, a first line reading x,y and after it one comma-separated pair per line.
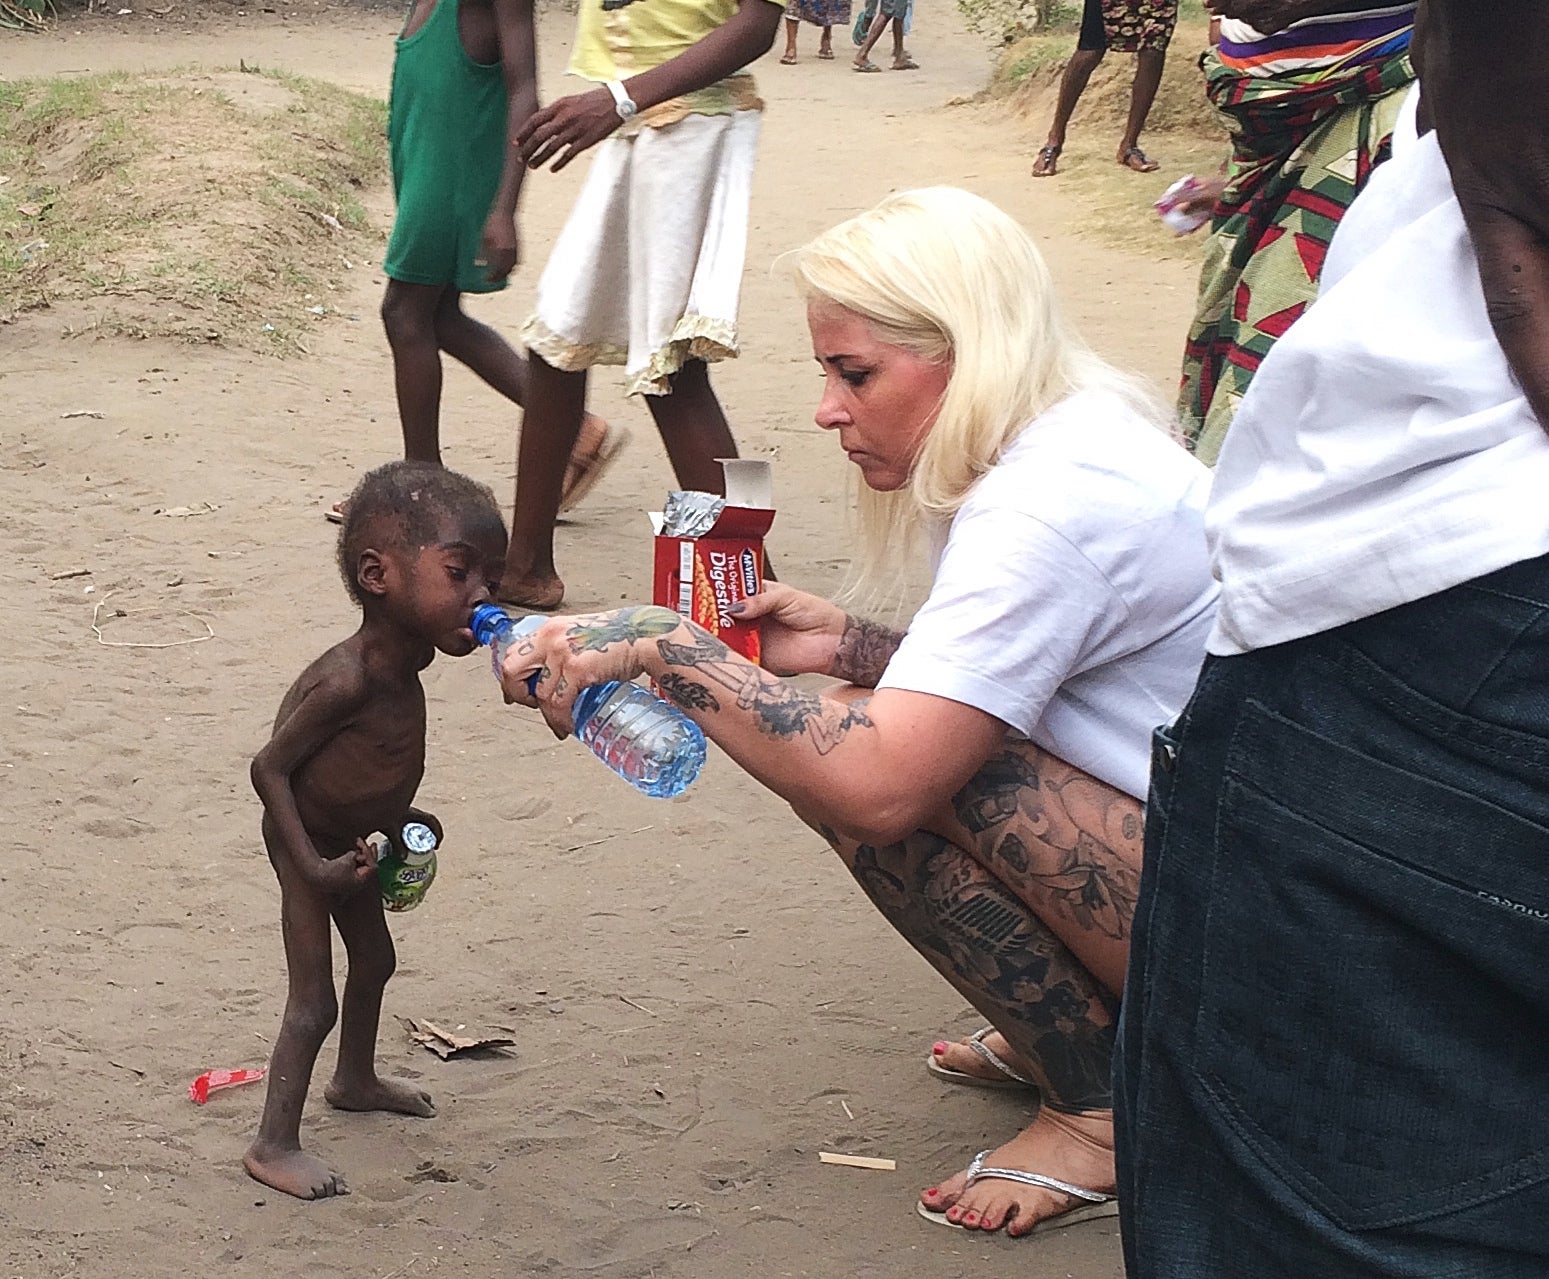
x,y
1334,1050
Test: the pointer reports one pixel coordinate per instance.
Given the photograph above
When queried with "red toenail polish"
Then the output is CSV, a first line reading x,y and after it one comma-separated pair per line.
x,y
932,1193
939,1047
970,1219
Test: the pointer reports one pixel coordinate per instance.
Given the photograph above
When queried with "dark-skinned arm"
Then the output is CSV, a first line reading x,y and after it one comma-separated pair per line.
x,y
501,249
311,723
1272,16
1484,80
564,129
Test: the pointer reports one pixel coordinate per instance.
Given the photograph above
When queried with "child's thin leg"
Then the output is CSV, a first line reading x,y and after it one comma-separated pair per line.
x,y
409,316
480,347
556,403
369,945
694,428
275,1157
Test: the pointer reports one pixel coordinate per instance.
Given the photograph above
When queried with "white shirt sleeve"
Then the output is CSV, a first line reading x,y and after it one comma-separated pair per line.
x,y
1014,611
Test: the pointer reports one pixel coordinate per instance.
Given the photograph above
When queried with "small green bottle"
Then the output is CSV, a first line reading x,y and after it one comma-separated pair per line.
x,y
406,866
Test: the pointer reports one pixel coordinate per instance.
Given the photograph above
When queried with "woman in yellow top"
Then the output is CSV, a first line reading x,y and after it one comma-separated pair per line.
x,y
647,270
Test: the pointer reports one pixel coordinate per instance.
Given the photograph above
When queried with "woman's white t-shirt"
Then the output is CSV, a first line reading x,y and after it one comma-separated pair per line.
x,y
1073,597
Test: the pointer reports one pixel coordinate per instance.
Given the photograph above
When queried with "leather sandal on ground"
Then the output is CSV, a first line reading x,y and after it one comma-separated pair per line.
x,y
1090,1205
584,470
867,67
1047,163
1013,1079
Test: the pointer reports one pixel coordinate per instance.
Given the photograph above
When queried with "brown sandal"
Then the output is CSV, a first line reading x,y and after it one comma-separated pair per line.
x,y
1047,163
1139,161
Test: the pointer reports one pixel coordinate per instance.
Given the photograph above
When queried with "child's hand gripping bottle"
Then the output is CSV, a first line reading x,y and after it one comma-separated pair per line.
x,y
406,866
653,746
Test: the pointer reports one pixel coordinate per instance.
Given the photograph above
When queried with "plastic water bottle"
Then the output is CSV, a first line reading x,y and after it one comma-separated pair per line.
x,y
653,746
406,866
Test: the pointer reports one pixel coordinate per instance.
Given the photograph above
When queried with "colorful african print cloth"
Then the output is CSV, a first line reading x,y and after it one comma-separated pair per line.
x,y
1133,25
1301,152
821,13
1327,42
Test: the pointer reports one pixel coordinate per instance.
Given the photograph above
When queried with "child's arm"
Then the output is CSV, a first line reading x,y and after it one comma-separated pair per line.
x,y
317,718
519,60
567,127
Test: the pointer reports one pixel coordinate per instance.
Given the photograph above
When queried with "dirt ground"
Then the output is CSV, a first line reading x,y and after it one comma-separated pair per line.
x,y
700,999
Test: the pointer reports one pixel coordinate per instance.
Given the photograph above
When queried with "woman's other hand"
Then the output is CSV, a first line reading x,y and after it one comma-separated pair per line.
x,y
800,633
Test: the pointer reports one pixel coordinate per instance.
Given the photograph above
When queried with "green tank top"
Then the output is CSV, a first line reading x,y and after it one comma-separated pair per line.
x,y
446,130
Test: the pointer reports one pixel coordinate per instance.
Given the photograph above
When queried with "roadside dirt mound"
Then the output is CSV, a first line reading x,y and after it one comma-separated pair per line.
x,y
212,206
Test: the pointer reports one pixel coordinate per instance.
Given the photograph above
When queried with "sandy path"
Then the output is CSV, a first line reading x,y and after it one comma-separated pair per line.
x,y
697,991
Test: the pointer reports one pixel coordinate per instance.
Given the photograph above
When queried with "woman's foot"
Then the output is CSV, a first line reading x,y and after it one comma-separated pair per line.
x,y
866,65
293,1171
905,63
788,58
1048,162
826,52
1136,159
1076,1149
963,1059
396,1095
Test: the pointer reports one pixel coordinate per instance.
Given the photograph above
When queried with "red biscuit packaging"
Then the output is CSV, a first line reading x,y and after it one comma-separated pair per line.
x,y
710,552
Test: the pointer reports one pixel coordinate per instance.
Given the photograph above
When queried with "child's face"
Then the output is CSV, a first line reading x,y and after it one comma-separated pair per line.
x,y
446,580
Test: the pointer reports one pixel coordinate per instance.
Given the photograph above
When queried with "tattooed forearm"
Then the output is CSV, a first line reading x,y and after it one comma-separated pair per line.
x,y
782,711
864,651
593,634
689,694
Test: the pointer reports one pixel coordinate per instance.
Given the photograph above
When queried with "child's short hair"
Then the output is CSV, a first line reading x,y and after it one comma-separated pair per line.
x,y
406,505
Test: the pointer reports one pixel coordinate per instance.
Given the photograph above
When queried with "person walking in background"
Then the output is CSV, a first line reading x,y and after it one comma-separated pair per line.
x,y
648,269
826,14
874,20
464,82
1141,27
1312,91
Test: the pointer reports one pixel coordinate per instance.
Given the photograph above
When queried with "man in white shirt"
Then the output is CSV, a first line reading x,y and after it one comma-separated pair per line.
x,y
1336,1019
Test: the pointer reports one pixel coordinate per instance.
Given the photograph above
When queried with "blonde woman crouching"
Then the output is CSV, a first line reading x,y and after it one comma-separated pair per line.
x,y
985,789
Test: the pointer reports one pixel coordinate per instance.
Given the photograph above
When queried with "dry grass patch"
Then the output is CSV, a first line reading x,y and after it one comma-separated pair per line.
x,y
200,205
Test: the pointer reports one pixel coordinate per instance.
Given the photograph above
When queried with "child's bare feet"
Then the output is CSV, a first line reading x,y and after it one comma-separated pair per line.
x,y
1076,1149
396,1095
293,1171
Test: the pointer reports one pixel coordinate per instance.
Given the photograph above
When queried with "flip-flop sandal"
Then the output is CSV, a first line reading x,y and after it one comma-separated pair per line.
x,y
789,59
1146,163
908,64
582,474
826,54
1047,163
1014,1079
866,68
1091,1205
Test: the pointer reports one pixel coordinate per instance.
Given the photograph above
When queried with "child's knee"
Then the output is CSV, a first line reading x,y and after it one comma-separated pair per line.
x,y
406,318
375,968
311,1013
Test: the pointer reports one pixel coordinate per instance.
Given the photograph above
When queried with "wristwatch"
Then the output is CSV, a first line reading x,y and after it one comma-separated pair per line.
x,y
622,102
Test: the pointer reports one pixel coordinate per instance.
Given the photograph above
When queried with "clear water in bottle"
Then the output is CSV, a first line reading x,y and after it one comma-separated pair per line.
x,y
653,746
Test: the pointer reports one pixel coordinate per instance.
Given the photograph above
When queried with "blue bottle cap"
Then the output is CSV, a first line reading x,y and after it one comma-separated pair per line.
x,y
488,621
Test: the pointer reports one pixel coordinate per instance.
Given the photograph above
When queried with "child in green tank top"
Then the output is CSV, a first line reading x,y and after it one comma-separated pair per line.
x,y
464,83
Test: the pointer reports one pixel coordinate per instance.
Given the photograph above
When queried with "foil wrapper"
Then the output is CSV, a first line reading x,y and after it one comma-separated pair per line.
x,y
691,514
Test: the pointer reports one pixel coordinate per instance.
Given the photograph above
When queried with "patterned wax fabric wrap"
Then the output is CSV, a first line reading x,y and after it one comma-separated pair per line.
x,y
1133,25
1302,152
446,132
821,13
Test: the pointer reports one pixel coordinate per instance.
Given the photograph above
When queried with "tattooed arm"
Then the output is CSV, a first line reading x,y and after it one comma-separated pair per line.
x,y
875,772
805,634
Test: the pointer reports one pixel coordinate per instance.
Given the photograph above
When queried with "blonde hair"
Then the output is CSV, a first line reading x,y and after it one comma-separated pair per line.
x,y
948,276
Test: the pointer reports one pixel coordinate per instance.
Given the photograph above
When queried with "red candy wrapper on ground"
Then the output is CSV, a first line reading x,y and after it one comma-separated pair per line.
x,y
214,1080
